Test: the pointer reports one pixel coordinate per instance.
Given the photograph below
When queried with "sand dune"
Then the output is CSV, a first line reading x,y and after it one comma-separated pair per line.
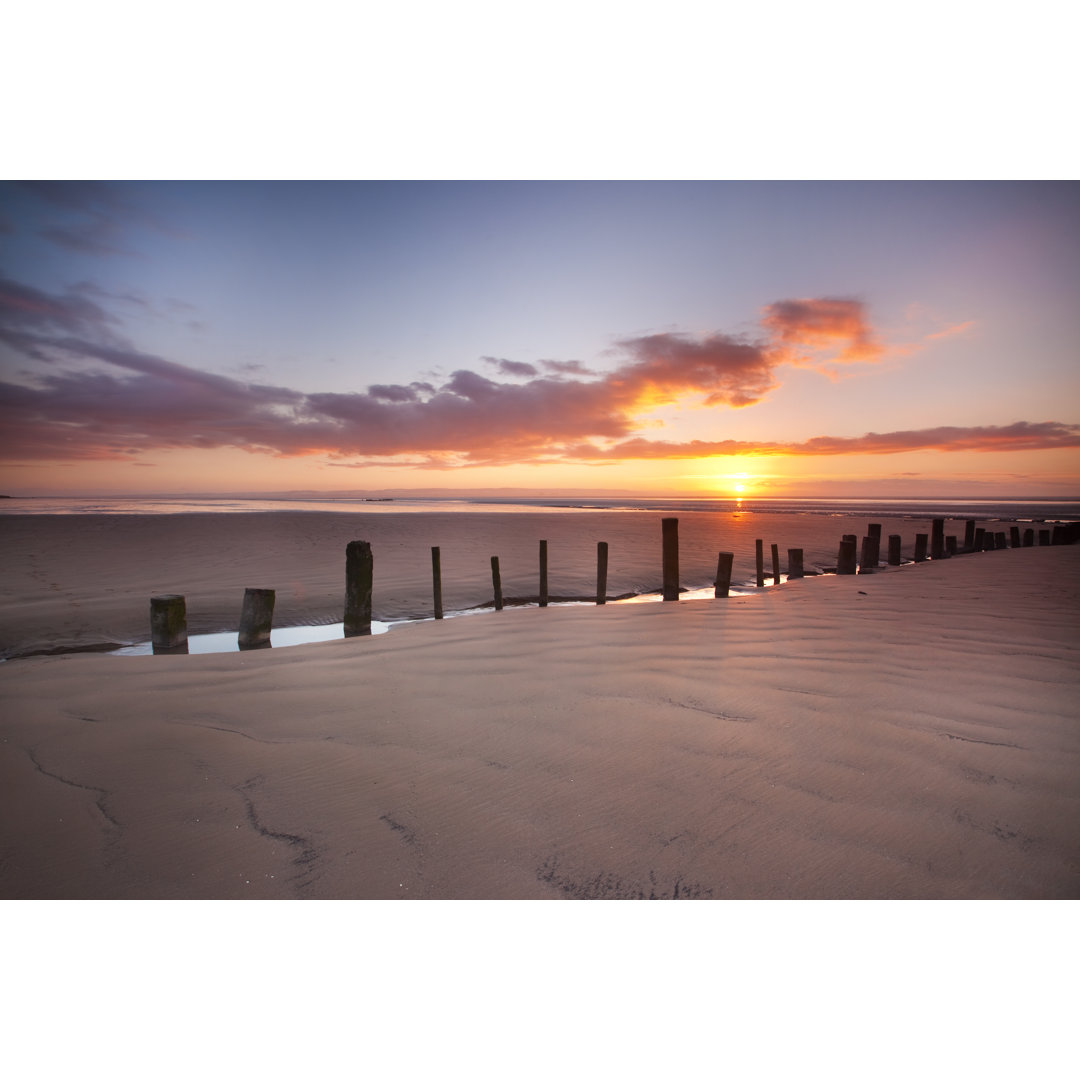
x,y
911,733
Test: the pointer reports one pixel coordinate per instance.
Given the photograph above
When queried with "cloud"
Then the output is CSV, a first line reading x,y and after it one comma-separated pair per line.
x,y
664,367
30,318
824,331
951,331
412,392
98,237
93,215
512,367
1049,435
91,394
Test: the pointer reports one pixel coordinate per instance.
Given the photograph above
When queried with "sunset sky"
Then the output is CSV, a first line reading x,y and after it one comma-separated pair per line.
x,y
786,338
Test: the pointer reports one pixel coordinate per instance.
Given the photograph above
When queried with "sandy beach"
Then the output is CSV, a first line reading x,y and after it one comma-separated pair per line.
x,y
912,733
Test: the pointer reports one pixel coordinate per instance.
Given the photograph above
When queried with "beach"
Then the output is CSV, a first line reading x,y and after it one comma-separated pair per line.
x,y
906,734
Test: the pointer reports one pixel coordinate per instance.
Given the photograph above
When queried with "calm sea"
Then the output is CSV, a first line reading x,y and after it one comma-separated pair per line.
x,y
979,509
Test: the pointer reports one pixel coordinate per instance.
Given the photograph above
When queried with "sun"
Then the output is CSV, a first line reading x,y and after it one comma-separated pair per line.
x,y
740,482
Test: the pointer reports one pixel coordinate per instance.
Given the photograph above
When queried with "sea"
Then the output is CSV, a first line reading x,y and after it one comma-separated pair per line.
x,y
979,509
1048,511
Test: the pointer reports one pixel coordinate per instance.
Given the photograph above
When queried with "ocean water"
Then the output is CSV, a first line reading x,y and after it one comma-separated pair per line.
x,y
407,608
981,509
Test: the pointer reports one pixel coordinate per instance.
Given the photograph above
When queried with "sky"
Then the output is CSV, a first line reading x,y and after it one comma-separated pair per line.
x,y
787,338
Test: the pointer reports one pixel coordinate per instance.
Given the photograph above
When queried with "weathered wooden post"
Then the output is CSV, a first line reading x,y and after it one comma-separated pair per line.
x,y
1000,543
1014,536
895,549
1044,537
950,546
436,581
795,563
543,574
937,538
1060,534
256,619
874,532
359,566
775,564
759,554
723,574
845,561
496,582
920,546
1029,538
867,562
670,528
988,540
969,535
601,572
168,623
980,537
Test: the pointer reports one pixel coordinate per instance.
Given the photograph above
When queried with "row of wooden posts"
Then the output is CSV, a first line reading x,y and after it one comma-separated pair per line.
x,y
168,613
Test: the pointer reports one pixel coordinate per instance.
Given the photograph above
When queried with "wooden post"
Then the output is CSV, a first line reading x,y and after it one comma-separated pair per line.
x,y
543,574
874,532
168,623
937,538
601,572
1044,537
980,537
670,527
894,549
845,562
775,564
759,553
950,546
496,582
1060,534
436,581
256,619
359,567
794,563
969,536
1014,536
1029,538
723,574
867,562
920,547
1000,543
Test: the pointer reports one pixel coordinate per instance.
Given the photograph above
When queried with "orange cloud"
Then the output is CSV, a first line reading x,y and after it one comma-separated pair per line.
x,y
951,331
832,331
91,395
1050,435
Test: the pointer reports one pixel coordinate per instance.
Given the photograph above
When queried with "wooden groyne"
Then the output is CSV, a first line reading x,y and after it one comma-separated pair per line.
x,y
168,612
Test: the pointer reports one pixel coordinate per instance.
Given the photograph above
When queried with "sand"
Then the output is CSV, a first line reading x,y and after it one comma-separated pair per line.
x,y
907,734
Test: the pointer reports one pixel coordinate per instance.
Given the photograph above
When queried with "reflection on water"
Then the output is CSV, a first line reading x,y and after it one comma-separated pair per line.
x,y
228,640
286,636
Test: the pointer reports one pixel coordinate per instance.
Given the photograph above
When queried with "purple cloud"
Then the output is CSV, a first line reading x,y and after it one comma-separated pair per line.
x,y
99,397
